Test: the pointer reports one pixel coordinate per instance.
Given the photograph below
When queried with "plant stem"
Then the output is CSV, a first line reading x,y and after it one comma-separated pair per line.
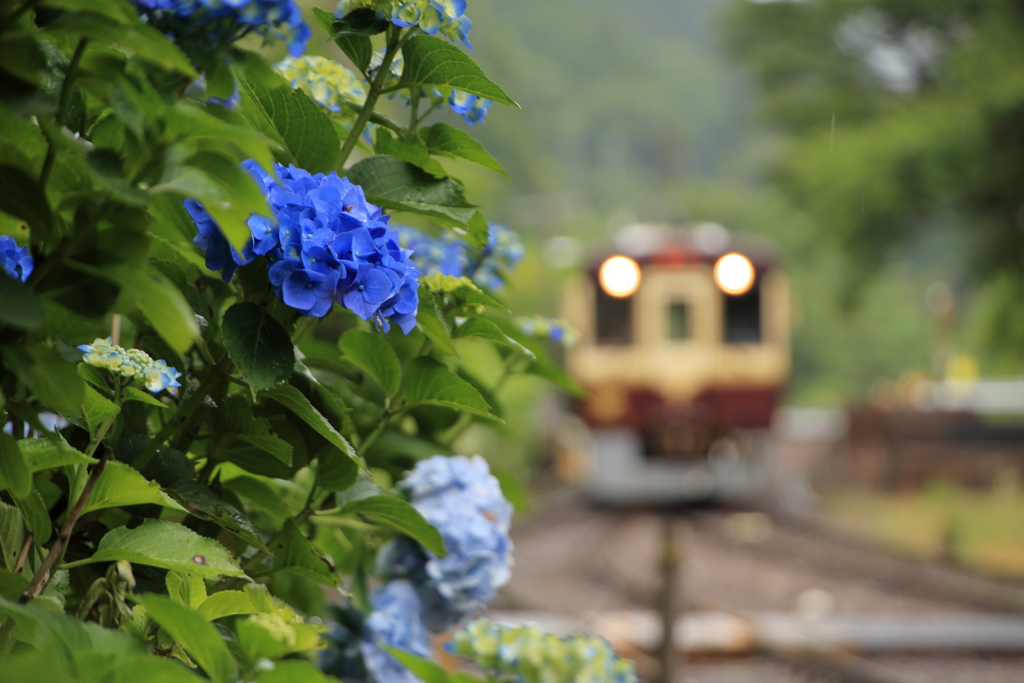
x,y
62,110
184,412
371,97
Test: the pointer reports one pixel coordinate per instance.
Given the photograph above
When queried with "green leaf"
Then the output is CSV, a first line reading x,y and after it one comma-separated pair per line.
x,y
461,289
198,636
97,409
262,493
23,199
14,467
356,47
294,671
51,451
12,534
334,471
142,39
293,399
226,604
399,515
362,21
430,382
21,308
296,554
53,380
432,323
120,485
408,147
424,669
445,140
37,517
374,356
115,10
258,345
159,543
186,589
201,501
161,302
431,62
485,329
289,117
133,394
400,186
12,585
92,375
512,489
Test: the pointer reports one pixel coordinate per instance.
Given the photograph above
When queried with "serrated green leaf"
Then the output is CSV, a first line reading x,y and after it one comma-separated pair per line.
x,y
21,308
120,485
37,517
410,148
258,345
92,375
289,117
293,399
356,47
198,636
14,467
445,140
97,409
432,324
400,186
51,451
159,543
201,501
12,585
399,515
431,62
295,553
226,604
374,356
430,382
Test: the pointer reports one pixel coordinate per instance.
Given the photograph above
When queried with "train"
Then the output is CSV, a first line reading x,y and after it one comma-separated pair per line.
x,y
684,350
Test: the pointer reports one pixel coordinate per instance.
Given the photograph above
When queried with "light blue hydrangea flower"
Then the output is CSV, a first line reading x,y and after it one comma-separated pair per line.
x,y
327,82
395,621
557,330
473,109
326,244
527,654
452,255
221,22
17,261
459,497
133,364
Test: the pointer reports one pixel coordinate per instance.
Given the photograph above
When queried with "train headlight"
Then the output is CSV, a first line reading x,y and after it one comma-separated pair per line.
x,y
619,276
734,274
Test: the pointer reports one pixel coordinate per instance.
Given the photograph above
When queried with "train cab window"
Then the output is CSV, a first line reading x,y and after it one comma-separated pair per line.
x,y
678,321
614,319
743,317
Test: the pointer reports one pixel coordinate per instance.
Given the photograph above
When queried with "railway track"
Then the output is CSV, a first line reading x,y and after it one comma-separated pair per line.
x,y
583,563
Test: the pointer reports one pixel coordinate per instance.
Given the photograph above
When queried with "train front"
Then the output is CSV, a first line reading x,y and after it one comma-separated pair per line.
x,y
684,349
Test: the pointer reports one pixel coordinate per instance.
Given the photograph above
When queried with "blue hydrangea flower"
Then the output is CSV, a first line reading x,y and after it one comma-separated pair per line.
x,y
473,109
464,502
133,364
452,255
16,260
326,244
395,621
446,17
220,22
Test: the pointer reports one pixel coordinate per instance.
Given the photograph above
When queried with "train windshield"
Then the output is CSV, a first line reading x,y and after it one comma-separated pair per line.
x,y
742,319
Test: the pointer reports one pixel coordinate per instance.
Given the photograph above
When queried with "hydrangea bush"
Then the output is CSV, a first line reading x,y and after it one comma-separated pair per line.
x,y
217,350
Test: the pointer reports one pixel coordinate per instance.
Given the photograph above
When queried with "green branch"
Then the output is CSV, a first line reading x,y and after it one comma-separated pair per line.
x,y
62,110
